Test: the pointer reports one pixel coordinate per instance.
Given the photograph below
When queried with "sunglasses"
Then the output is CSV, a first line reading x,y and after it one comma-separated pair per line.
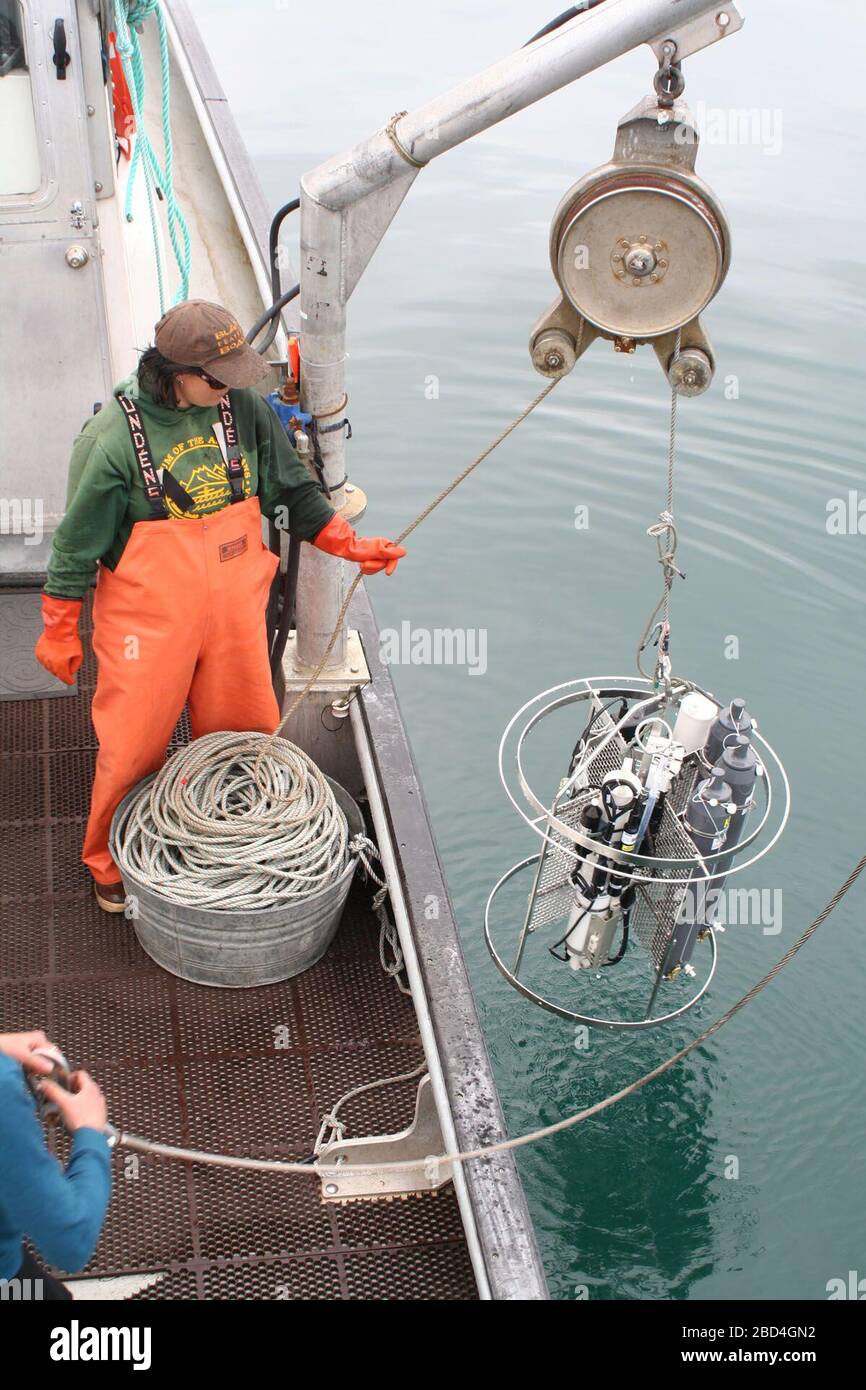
x,y
211,381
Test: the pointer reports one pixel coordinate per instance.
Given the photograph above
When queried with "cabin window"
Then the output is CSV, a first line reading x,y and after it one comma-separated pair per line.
x,y
19,148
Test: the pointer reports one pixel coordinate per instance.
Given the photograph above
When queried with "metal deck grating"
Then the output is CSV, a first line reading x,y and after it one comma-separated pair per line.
x,y
245,1071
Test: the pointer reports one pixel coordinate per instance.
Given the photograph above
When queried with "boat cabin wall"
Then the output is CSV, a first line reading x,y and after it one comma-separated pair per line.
x,y
78,281
54,344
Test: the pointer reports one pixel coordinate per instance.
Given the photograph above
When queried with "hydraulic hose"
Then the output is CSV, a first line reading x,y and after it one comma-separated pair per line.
x,y
276,283
563,19
272,316
273,243
288,590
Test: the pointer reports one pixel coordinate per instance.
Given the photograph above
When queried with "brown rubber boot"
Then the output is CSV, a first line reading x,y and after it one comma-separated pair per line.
x,y
110,896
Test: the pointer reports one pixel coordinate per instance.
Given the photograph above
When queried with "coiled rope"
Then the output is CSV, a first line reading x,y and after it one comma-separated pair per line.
x,y
210,832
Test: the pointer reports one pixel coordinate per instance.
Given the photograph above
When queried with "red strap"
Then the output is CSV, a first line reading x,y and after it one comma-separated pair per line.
x,y
124,116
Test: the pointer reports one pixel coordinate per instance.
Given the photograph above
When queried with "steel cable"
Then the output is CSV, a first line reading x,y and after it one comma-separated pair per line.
x,y
666,537
407,531
270,1165
257,761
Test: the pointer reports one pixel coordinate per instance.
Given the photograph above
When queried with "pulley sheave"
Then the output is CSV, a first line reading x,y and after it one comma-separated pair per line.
x,y
660,245
638,247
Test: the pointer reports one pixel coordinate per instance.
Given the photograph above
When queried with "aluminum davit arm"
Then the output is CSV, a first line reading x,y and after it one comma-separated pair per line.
x,y
348,202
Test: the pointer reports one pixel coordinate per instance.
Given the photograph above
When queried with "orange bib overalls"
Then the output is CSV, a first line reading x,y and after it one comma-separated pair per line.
x,y
181,619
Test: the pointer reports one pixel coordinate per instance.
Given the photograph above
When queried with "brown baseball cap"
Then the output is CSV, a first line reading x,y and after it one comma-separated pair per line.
x,y
199,334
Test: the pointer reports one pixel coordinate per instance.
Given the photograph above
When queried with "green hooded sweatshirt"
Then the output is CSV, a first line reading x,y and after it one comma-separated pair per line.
x,y
106,495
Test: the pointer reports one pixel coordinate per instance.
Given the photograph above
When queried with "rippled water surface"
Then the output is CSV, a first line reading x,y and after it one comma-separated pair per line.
x,y
635,1203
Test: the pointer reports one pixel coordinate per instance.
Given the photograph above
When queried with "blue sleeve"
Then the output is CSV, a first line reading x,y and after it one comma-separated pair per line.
x,y
60,1212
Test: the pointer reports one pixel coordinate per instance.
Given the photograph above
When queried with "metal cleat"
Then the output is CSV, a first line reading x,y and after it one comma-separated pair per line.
x,y
360,1181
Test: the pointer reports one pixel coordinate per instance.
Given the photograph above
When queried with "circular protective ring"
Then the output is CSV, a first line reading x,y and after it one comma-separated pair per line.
x,y
623,1025
543,823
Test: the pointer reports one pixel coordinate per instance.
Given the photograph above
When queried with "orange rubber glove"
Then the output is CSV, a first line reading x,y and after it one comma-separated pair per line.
x,y
59,648
338,538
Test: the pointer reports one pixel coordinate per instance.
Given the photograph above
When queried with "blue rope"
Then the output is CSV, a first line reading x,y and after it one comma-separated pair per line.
x,y
129,18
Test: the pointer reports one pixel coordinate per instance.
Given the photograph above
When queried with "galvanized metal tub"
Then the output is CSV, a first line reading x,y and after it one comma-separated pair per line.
x,y
239,949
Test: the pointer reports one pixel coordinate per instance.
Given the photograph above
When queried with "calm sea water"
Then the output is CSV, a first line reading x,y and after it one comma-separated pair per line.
x,y
635,1204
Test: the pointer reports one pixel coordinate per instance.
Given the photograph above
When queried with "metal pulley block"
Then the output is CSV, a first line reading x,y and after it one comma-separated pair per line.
x,y
638,247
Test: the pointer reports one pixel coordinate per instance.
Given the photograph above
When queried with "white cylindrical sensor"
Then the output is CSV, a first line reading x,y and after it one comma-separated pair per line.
x,y
694,721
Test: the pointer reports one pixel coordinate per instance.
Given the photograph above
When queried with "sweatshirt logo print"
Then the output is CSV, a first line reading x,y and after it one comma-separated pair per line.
x,y
198,465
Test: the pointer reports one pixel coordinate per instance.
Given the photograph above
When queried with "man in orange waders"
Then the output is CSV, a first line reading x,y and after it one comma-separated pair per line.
x,y
170,516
